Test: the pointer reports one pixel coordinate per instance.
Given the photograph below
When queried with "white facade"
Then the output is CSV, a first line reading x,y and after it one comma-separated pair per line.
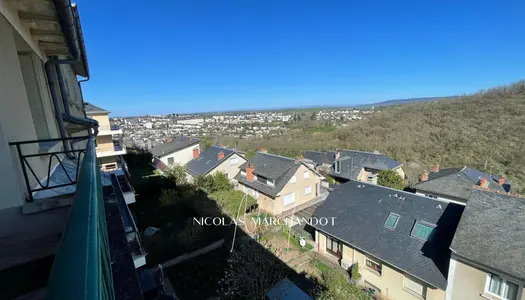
x,y
180,157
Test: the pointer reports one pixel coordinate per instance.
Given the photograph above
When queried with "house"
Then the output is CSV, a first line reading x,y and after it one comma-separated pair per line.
x,y
321,161
59,226
108,149
177,151
362,166
488,257
399,241
455,184
280,184
216,159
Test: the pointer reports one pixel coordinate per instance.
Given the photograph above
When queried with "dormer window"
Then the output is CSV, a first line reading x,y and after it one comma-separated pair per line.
x,y
422,230
337,167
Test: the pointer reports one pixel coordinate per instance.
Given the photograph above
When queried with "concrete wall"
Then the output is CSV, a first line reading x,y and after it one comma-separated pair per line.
x,y
468,282
105,143
229,169
103,119
15,118
390,282
180,157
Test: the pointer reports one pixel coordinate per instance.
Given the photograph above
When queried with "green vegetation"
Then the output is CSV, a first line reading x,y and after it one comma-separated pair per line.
x,y
177,173
479,130
335,286
391,179
230,201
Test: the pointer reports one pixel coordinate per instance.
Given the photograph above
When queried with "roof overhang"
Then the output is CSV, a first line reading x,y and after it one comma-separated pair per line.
x,y
40,25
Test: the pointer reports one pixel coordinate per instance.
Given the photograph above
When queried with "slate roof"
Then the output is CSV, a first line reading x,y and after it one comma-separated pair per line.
x,y
492,232
178,143
456,182
360,212
91,109
273,167
208,160
348,170
320,157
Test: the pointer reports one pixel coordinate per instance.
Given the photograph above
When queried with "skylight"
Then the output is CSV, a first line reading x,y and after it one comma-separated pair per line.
x,y
422,230
391,221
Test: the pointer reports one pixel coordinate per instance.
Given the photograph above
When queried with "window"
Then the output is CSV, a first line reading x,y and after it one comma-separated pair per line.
x,y
292,180
269,182
501,288
289,199
243,173
374,266
306,174
337,167
333,246
391,221
307,190
413,286
234,161
256,195
171,160
422,230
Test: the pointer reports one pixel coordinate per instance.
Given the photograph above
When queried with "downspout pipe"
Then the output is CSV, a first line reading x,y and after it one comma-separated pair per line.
x,y
68,24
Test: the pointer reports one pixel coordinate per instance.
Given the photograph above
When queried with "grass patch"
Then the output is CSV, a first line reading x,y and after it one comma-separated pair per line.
x,y
230,201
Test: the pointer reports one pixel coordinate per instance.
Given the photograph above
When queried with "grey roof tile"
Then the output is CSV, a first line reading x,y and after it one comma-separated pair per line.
x,y
492,232
91,109
320,157
208,160
456,182
178,143
360,212
371,160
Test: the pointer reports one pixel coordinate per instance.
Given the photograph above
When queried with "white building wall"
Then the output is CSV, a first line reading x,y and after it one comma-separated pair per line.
x,y
180,157
15,118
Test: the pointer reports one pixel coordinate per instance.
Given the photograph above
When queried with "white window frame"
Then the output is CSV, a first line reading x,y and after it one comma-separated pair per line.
x,y
293,179
504,287
337,167
306,175
378,273
405,278
234,161
172,160
289,203
256,195
243,173
306,192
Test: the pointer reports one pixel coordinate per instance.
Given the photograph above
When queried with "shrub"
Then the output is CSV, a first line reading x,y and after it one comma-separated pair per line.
x,y
177,173
391,179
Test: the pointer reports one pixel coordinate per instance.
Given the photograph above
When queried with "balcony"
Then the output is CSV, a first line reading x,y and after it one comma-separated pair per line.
x,y
109,130
124,178
111,149
94,239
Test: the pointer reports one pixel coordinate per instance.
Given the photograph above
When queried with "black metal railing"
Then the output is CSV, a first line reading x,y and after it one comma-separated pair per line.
x,y
58,156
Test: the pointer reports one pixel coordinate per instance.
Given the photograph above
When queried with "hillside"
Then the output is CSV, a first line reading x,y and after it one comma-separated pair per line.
x,y
485,130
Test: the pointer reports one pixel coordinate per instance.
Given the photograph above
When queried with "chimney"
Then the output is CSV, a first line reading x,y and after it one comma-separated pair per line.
x,y
501,180
170,139
484,183
196,153
436,168
249,172
424,177
263,150
221,145
298,159
220,155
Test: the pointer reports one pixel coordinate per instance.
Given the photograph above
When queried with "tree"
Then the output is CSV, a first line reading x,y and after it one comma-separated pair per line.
x,y
252,270
177,173
390,178
220,182
250,154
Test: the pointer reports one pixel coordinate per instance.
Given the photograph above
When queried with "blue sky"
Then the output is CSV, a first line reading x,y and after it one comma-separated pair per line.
x,y
150,57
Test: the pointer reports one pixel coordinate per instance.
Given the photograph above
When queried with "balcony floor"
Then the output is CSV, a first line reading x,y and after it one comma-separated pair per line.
x,y
24,238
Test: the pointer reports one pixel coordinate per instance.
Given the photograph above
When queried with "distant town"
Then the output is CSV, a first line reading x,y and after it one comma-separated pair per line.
x,y
151,130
